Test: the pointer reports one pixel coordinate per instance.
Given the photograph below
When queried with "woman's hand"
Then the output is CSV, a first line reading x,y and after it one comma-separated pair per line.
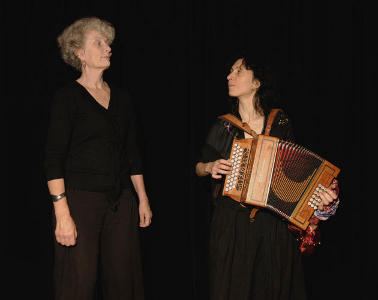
x,y
145,213
218,168
329,195
65,230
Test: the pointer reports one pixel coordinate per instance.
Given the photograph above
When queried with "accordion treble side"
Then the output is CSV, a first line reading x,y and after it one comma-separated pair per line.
x,y
278,175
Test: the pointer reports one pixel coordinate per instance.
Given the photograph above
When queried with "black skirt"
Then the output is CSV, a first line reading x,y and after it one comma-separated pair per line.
x,y
253,260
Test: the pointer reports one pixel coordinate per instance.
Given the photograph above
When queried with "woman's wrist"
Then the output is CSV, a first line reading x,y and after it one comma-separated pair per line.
x,y
143,198
61,208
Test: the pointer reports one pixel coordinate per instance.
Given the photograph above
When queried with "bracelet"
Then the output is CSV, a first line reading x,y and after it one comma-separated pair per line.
x,y
328,211
55,198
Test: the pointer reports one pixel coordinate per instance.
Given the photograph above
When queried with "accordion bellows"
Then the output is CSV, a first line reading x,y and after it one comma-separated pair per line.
x,y
278,175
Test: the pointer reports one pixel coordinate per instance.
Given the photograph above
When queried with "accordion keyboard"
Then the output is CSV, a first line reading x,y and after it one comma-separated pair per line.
x,y
239,157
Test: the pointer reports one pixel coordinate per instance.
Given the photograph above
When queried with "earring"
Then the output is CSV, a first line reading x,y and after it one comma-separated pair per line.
x,y
83,65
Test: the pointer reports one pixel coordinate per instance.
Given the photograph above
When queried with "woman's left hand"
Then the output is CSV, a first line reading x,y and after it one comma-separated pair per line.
x,y
145,213
329,195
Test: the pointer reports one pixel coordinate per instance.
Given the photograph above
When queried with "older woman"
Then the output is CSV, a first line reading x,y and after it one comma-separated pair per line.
x,y
259,259
94,174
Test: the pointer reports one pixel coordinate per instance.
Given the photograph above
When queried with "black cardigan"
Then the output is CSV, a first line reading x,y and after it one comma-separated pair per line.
x,y
92,148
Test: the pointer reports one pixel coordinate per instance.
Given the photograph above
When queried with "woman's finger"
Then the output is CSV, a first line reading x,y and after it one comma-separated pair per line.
x,y
320,206
331,193
326,198
221,171
143,220
224,167
225,162
334,186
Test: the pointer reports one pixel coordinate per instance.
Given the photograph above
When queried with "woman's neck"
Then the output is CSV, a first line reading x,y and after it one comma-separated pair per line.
x,y
247,109
92,79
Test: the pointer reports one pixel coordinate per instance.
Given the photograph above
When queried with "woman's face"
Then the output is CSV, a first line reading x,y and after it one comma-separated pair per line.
x,y
95,52
241,81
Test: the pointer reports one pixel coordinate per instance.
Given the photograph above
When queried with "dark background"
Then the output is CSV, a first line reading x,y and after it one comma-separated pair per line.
x,y
171,56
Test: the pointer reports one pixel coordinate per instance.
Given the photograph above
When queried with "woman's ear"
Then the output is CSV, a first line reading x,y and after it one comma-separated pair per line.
x,y
79,53
256,83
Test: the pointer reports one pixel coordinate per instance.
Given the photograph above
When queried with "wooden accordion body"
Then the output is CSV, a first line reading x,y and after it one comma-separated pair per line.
x,y
278,175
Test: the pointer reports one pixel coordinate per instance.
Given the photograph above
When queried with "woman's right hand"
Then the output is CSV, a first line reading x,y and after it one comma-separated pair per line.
x,y
218,168
65,231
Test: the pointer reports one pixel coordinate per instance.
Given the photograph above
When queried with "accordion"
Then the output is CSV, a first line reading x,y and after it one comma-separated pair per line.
x,y
278,175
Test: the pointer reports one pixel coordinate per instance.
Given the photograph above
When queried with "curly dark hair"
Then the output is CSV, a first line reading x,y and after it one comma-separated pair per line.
x,y
266,95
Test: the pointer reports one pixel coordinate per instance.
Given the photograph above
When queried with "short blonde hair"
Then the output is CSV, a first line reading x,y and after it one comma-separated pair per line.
x,y
73,37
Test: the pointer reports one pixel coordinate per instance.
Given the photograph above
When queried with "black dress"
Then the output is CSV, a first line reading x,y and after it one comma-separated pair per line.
x,y
250,260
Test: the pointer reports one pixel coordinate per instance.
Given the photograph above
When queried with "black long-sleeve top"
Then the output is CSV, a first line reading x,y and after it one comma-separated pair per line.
x,y
92,148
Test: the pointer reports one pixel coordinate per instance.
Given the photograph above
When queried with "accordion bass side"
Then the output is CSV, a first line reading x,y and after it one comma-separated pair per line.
x,y
278,175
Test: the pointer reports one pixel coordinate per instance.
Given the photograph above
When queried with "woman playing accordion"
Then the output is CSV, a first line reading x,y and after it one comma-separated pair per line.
x,y
253,252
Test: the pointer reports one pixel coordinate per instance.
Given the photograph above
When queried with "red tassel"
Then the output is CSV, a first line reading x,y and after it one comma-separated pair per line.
x,y
308,239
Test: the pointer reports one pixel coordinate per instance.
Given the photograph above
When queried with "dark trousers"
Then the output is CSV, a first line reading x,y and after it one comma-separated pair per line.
x,y
107,241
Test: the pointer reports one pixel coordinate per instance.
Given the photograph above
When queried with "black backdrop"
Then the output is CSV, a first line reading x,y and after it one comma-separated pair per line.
x,y
171,56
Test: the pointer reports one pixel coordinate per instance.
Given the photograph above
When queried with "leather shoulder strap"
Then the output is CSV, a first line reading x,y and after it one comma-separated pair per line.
x,y
239,124
271,117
